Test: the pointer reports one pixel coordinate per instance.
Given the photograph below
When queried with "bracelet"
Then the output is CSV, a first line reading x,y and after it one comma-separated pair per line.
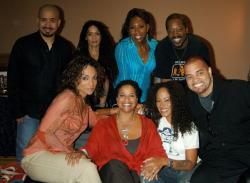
x,y
84,151
170,163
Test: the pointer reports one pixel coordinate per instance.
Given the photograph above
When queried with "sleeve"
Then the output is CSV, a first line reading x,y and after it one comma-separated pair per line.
x,y
155,147
191,140
14,75
120,57
163,65
92,117
93,144
248,93
53,120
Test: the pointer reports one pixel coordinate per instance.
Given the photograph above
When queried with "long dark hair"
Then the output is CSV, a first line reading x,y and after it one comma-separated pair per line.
x,y
73,72
181,114
106,50
141,13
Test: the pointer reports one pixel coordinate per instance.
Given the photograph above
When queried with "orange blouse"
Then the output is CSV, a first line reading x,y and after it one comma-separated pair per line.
x,y
66,118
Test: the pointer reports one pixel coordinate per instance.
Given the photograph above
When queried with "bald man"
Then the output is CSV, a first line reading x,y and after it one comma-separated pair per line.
x,y
34,69
221,109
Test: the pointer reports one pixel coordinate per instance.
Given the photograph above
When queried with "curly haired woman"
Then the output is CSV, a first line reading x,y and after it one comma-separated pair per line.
x,y
166,106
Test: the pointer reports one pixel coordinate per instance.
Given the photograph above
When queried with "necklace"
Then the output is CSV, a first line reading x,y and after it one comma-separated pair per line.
x,y
180,57
124,129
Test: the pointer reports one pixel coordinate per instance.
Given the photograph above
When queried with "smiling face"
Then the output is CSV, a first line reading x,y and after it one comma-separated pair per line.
x,y
48,21
87,82
138,29
199,77
127,99
93,36
177,32
163,103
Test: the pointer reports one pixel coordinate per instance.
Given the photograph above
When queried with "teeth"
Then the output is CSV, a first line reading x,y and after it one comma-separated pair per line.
x,y
198,85
163,110
126,104
138,37
177,40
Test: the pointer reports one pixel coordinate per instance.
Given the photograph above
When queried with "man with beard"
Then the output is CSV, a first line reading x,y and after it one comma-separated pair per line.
x,y
221,110
35,65
172,52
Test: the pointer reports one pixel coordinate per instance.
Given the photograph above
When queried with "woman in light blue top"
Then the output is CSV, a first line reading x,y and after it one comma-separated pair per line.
x,y
135,52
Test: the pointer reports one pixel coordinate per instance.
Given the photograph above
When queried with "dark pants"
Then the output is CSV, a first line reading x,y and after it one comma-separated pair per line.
x,y
218,172
116,171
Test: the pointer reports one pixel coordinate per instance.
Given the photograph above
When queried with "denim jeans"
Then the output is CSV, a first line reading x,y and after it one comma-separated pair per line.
x,y
168,175
25,130
81,140
142,180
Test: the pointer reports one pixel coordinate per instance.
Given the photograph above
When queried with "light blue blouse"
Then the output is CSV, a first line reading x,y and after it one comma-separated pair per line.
x,y
131,66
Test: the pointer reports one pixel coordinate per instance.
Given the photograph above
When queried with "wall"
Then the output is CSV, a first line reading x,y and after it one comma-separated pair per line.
x,y
224,23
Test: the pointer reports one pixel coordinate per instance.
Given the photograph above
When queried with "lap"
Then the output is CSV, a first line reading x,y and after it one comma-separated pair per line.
x,y
225,171
48,167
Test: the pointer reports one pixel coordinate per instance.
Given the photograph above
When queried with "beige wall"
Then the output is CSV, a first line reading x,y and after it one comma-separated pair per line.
x,y
224,23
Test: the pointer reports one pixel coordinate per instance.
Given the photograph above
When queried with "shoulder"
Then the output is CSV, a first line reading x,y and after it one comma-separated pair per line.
x,y
27,38
147,122
105,122
124,42
124,46
153,43
164,43
195,40
66,97
235,85
63,42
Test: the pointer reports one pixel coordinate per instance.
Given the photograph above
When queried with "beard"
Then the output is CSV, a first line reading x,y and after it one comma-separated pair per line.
x,y
47,32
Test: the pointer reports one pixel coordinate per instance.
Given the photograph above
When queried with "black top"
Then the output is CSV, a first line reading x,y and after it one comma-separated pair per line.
x,y
170,61
226,129
34,72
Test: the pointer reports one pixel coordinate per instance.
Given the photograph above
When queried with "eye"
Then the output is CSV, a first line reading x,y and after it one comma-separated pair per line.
x,y
167,100
188,77
199,73
132,95
85,77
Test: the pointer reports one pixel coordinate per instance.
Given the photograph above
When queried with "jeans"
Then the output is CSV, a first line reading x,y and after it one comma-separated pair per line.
x,y
81,140
169,175
25,131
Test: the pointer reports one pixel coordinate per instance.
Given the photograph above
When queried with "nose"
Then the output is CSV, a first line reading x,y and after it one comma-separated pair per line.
x,y
91,83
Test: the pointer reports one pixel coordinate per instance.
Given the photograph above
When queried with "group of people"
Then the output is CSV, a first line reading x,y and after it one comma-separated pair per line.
x,y
173,121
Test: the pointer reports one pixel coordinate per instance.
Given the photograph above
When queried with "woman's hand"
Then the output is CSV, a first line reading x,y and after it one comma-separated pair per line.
x,y
152,166
74,157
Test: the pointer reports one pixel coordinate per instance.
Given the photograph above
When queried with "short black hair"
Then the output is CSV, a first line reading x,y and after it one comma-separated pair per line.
x,y
130,83
178,16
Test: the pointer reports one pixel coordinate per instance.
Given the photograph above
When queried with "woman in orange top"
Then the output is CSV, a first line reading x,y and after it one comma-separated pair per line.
x,y
50,156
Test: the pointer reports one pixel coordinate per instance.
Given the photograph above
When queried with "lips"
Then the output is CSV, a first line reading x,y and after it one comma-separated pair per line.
x,y
163,110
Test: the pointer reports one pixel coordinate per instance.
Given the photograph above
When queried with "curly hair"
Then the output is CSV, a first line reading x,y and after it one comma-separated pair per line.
x,y
181,114
73,73
106,50
141,13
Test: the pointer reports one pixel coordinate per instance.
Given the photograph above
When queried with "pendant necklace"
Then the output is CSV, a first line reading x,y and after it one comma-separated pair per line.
x,y
125,132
